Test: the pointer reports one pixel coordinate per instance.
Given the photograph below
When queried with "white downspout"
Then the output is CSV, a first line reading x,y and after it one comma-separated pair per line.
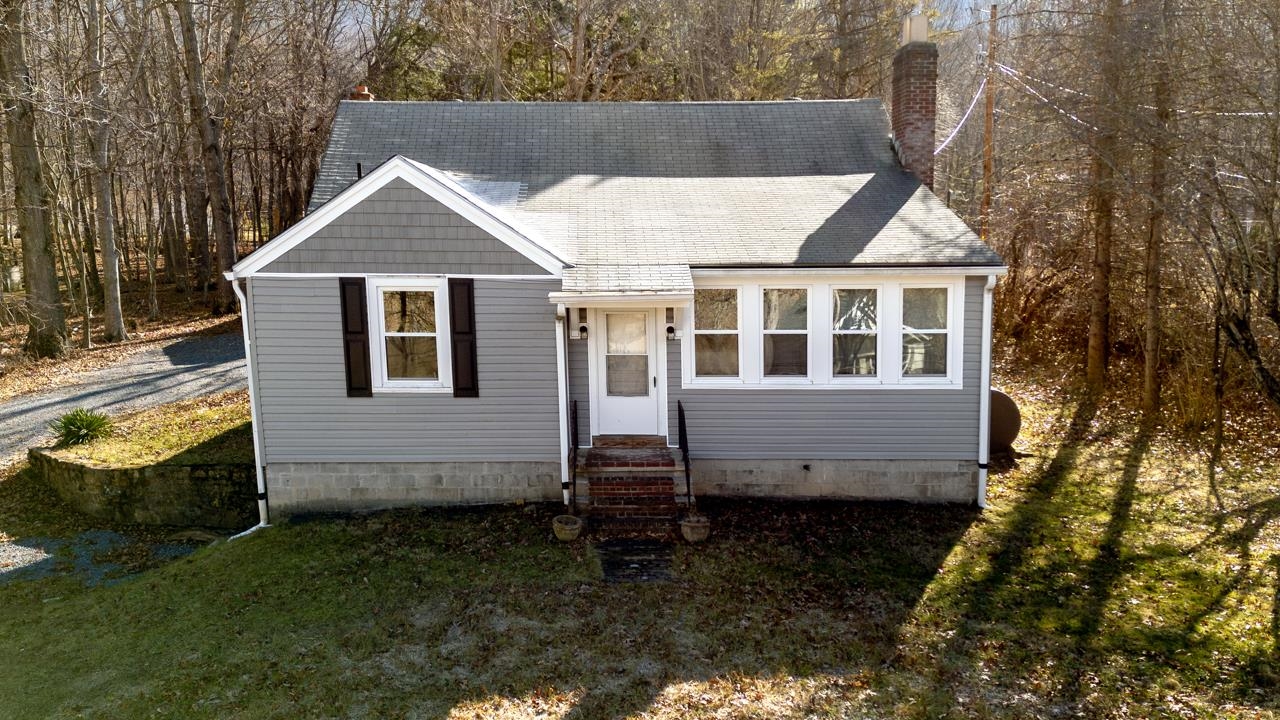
x,y
562,386
984,401
253,409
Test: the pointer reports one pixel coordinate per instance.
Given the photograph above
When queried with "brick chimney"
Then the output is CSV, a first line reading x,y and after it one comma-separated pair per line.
x,y
915,98
361,93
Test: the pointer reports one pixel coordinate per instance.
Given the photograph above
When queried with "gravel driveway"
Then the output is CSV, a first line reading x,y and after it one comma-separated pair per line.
x,y
188,368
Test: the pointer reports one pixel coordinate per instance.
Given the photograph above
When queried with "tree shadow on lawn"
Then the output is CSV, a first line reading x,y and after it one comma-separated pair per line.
x,y
1077,594
233,446
781,590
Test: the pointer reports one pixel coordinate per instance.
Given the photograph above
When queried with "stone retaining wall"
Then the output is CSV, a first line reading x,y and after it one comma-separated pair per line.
x,y
222,496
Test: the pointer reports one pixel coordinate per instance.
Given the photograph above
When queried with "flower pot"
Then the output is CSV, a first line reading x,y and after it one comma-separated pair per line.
x,y
567,527
695,528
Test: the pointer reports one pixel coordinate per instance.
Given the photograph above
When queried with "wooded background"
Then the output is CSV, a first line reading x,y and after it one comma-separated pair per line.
x,y
1133,172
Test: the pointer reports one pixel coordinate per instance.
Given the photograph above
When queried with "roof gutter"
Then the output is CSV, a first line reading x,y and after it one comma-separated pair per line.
x,y
932,269
984,388
253,408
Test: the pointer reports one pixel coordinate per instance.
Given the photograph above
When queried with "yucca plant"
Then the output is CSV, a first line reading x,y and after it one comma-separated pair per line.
x,y
81,426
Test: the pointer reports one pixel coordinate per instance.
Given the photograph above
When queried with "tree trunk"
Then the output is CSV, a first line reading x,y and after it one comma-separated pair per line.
x,y
47,333
1103,199
113,330
210,130
1155,240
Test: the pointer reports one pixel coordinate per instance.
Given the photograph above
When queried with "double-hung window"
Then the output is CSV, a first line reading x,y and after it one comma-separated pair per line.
x,y
825,331
855,332
716,333
411,351
785,329
925,313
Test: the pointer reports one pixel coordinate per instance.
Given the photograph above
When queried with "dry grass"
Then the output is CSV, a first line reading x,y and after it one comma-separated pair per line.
x,y
211,429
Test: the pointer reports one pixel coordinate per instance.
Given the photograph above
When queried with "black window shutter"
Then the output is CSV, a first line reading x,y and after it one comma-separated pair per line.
x,y
355,336
462,334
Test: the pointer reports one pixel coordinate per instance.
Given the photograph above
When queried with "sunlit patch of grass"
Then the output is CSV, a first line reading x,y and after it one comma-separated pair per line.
x,y
205,430
1106,580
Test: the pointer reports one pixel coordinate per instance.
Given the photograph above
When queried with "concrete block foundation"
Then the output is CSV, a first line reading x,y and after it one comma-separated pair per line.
x,y
914,480
329,486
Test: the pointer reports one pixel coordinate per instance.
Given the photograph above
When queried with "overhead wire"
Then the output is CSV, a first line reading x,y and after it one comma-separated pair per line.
x,y
981,86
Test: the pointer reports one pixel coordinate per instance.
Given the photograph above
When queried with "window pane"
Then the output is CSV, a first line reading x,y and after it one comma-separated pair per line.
x,y
786,355
853,309
625,334
627,375
854,355
786,309
412,358
924,354
715,309
715,355
924,308
409,310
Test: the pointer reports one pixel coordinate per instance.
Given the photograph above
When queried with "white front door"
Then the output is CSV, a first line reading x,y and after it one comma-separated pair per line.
x,y
626,355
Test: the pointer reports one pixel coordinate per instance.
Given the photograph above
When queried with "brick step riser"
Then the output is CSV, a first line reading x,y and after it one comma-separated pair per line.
x,y
612,470
623,497
627,526
653,490
649,516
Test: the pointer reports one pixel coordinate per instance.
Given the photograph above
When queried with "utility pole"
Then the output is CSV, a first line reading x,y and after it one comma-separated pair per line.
x,y
988,137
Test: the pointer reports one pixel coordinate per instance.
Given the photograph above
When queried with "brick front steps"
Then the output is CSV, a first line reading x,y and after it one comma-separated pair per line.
x,y
631,490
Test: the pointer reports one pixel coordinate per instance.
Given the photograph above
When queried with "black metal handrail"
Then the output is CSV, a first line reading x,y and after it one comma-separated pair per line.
x,y
684,453
573,454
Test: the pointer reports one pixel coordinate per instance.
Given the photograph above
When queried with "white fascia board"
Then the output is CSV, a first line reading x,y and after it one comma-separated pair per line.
x,y
448,193
634,299
851,270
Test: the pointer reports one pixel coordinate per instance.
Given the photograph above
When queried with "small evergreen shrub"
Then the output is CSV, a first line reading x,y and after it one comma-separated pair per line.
x,y
81,426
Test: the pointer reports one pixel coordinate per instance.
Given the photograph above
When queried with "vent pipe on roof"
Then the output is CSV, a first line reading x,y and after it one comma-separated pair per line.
x,y
361,93
915,98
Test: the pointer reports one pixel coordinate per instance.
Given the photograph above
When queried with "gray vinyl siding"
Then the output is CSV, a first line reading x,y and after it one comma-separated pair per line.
x,y
400,229
580,387
307,416
852,424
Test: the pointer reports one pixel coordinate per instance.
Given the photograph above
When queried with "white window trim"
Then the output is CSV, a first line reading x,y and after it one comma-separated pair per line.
x,y
955,326
378,337
829,318
889,332
693,332
758,332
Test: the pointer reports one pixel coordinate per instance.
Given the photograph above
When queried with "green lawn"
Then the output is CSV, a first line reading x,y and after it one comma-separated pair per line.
x,y
1104,581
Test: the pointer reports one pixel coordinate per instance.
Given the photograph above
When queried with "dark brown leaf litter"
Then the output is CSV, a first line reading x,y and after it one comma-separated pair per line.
x,y
626,560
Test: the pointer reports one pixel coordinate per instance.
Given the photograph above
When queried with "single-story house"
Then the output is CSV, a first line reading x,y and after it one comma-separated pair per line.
x,y
474,282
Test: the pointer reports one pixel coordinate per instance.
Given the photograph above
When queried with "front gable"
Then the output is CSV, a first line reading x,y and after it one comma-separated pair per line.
x,y
401,229
403,218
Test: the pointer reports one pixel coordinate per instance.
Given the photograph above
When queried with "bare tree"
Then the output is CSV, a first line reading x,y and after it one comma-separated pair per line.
x,y
101,139
210,129
47,333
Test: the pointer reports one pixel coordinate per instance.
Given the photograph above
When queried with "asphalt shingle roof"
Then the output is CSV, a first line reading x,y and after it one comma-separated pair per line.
x,y
588,279
655,185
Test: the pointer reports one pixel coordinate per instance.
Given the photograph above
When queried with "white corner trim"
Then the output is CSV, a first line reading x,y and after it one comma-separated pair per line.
x,y
984,399
255,409
431,182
